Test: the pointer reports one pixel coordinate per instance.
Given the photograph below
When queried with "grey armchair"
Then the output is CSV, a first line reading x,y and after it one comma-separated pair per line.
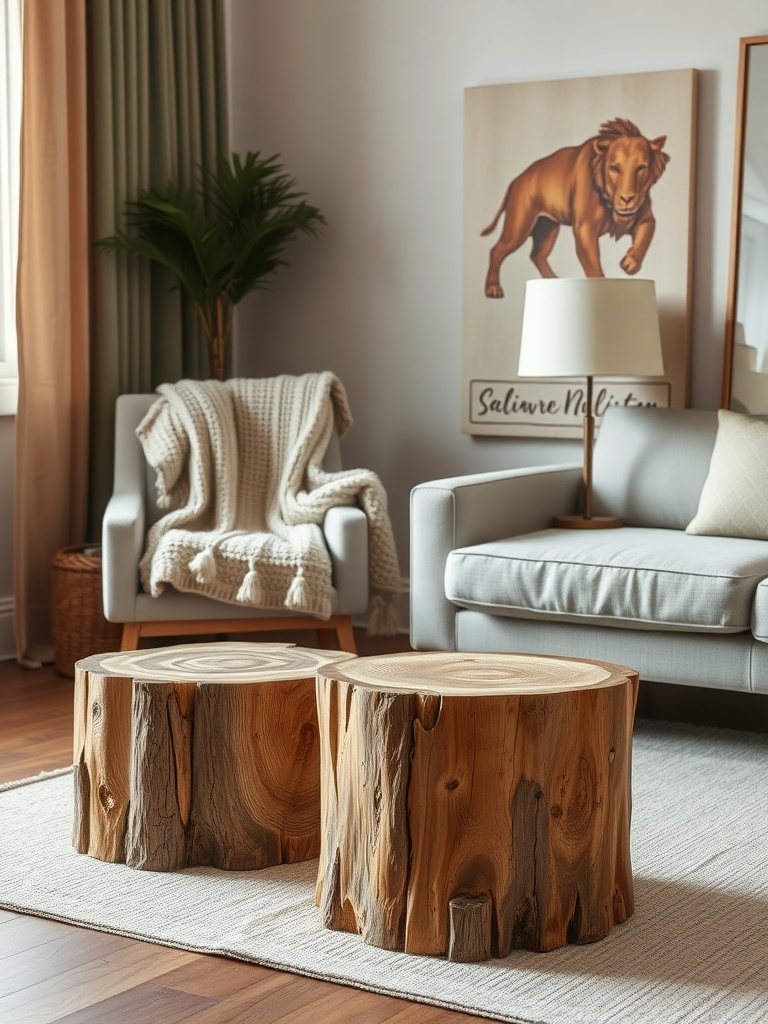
x,y
132,509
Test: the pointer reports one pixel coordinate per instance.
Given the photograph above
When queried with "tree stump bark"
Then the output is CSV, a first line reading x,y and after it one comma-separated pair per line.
x,y
475,803
205,754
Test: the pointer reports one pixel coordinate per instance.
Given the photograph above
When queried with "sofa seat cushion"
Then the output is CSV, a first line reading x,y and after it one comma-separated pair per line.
x,y
633,577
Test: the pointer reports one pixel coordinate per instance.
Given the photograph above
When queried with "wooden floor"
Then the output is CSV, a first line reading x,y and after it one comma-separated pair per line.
x,y
52,972
55,972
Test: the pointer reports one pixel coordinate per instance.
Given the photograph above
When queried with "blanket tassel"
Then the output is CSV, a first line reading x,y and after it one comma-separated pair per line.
x,y
203,565
382,620
250,589
298,594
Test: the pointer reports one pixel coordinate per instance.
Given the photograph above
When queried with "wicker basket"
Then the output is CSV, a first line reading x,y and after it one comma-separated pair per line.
x,y
78,623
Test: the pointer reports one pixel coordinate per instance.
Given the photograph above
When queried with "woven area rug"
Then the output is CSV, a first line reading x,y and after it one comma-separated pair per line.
x,y
696,949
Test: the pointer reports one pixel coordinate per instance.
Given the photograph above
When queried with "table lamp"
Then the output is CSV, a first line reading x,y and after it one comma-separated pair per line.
x,y
590,327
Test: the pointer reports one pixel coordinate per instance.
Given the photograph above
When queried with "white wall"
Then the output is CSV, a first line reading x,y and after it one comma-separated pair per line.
x,y
363,100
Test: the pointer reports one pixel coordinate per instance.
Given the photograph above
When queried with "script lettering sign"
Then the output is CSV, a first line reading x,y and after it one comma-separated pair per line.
x,y
554,403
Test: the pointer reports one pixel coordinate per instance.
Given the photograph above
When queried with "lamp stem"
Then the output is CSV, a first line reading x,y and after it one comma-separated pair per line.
x,y
587,521
589,440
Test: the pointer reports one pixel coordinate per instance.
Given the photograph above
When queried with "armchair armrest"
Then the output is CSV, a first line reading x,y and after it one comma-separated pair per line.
x,y
125,524
458,511
345,528
122,545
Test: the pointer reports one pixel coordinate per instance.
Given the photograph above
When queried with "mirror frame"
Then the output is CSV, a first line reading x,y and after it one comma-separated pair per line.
x,y
745,45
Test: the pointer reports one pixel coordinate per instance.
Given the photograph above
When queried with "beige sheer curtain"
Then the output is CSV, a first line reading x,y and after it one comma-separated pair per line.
x,y
158,93
52,312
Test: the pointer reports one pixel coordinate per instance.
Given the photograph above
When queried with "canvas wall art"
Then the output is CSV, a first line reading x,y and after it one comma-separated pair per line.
x,y
573,178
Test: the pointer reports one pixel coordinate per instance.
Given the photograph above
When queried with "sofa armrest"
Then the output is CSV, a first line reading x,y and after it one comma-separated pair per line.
x,y
760,612
458,511
122,545
345,529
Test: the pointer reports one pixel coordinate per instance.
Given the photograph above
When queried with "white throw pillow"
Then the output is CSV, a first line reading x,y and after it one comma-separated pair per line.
x,y
734,499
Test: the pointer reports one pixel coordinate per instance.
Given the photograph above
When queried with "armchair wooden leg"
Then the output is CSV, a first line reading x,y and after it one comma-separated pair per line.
x,y
326,639
130,638
345,634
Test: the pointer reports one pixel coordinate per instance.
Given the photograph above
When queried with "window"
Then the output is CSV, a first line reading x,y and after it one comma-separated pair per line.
x,y
10,131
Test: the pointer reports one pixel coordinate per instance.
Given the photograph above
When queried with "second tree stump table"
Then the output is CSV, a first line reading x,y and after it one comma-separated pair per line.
x,y
198,754
475,803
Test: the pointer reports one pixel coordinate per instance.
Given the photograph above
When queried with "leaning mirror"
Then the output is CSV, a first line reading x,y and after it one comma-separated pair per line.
x,y
745,371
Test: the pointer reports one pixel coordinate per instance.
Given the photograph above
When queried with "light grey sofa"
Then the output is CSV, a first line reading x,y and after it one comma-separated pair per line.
x,y
488,573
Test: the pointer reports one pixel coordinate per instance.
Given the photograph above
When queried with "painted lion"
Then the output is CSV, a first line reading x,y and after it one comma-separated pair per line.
x,y
600,187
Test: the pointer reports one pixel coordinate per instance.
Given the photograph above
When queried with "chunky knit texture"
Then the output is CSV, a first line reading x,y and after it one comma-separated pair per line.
x,y
239,466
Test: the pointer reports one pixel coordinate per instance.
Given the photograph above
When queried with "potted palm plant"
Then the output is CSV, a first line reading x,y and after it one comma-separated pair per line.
x,y
222,238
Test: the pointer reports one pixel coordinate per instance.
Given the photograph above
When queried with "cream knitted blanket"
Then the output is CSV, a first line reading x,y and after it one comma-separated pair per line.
x,y
239,466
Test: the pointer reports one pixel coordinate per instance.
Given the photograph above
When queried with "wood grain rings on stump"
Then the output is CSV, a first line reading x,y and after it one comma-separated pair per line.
x,y
198,754
475,803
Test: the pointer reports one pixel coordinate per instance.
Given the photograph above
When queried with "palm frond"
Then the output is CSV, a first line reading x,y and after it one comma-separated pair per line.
x,y
224,238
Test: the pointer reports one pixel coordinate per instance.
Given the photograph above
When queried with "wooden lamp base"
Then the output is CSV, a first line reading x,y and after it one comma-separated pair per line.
x,y
584,522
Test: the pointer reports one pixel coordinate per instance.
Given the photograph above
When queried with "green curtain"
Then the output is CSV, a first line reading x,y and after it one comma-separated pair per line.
x,y
158,112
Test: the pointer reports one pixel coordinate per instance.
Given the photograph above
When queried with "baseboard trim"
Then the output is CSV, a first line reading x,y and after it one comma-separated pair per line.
x,y
7,642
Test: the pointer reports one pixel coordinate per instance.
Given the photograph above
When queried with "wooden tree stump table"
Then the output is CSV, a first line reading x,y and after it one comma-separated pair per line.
x,y
475,803
198,754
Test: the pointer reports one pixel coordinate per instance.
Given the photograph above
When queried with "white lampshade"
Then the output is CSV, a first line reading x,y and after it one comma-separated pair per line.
x,y
584,327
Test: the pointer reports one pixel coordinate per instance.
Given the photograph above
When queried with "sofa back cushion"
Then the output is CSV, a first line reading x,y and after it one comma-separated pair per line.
x,y
734,500
650,464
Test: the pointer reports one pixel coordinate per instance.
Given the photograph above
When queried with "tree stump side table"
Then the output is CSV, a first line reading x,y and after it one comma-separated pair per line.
x,y
198,754
475,803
